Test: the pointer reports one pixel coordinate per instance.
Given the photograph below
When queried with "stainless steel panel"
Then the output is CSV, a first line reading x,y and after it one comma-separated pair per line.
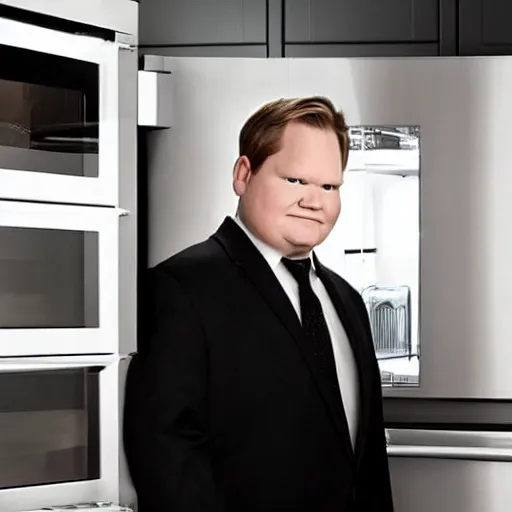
x,y
435,485
461,106
128,90
128,199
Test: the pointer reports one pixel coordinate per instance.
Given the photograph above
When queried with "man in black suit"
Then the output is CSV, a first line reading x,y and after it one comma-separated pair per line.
x,y
256,387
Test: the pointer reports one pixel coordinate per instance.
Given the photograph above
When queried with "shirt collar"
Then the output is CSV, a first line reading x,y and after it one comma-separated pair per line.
x,y
271,254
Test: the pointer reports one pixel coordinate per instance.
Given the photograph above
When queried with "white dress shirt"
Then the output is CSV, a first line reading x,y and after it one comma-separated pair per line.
x,y
346,368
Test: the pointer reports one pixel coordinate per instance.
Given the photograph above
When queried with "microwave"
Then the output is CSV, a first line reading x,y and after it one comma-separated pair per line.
x,y
59,420
59,279
62,115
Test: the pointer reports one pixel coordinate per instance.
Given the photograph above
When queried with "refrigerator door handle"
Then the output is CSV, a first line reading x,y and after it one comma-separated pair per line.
x,y
450,444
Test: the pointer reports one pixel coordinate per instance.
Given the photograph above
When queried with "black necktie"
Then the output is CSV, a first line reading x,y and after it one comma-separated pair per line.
x,y
313,322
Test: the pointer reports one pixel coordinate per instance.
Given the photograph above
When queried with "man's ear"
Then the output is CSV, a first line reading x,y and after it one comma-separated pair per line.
x,y
241,175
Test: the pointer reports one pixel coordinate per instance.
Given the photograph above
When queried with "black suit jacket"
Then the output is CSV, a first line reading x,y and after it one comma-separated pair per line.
x,y
225,410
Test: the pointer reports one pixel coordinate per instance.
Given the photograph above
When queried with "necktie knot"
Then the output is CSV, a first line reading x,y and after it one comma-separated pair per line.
x,y
299,269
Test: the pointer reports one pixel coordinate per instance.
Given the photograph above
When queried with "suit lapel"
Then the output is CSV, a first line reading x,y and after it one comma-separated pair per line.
x,y
244,254
356,334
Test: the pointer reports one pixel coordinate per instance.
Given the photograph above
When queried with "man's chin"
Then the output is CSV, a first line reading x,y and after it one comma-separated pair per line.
x,y
303,245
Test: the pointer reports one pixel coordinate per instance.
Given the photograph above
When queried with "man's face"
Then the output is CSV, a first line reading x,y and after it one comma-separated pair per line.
x,y
293,201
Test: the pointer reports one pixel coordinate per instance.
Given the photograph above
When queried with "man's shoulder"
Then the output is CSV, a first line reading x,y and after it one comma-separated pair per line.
x,y
196,262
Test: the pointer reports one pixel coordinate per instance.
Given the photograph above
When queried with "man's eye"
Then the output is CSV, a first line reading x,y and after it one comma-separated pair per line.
x,y
331,187
293,180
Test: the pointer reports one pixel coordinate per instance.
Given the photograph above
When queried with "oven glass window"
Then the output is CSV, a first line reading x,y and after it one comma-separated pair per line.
x,y
49,427
49,278
49,112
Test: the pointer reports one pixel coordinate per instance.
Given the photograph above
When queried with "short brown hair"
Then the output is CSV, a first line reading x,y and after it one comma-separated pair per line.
x,y
260,136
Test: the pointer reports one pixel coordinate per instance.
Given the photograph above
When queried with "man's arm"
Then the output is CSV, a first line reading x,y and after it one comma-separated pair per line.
x,y
373,490
166,405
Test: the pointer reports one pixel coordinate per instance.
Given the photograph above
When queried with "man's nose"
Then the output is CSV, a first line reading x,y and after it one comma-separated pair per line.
x,y
311,198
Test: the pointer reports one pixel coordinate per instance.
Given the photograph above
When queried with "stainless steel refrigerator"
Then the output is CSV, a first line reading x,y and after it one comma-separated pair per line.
x,y
424,235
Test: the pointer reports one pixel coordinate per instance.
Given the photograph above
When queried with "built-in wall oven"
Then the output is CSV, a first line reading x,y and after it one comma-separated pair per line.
x,y
68,128
59,425
59,115
58,279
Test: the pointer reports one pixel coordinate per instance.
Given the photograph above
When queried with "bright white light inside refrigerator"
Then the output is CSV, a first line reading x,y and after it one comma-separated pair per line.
x,y
380,232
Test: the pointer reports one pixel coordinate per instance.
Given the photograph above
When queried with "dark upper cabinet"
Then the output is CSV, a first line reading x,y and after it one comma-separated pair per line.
x,y
192,23
361,21
485,27
360,50
334,28
325,28
229,50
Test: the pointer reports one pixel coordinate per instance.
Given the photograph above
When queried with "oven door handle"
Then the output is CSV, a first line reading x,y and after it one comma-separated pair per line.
x,y
49,363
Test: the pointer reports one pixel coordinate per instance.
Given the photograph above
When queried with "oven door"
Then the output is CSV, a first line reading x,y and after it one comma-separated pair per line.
x,y
58,431
59,116
59,279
